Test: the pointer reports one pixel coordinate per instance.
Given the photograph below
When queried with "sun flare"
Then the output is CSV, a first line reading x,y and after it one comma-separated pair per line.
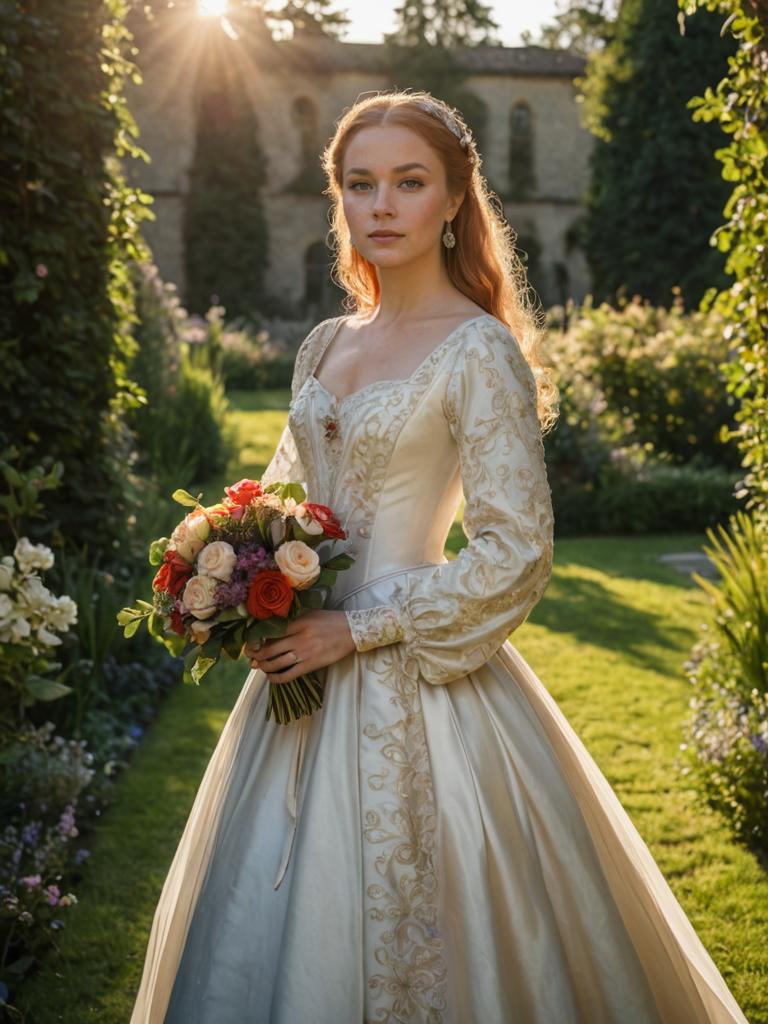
x,y
212,8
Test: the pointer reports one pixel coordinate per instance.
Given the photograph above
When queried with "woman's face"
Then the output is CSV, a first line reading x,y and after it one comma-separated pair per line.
x,y
393,181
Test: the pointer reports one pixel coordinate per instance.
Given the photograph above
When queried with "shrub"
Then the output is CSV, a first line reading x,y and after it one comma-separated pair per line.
x,y
647,375
69,222
181,429
642,408
727,736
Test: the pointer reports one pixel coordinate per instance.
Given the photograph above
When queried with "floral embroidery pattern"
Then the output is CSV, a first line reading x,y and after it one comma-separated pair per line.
x,y
412,983
374,627
494,582
438,625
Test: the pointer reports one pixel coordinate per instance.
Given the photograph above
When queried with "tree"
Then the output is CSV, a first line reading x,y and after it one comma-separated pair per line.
x,y
580,26
739,103
69,225
656,192
225,227
420,53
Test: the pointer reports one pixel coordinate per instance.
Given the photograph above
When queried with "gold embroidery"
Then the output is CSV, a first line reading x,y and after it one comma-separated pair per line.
x,y
438,625
412,983
374,627
447,622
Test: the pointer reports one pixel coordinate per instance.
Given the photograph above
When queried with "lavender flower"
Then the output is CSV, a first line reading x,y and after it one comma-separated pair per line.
x,y
67,822
251,558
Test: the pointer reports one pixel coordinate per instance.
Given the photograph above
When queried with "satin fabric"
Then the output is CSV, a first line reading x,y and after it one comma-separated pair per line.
x,y
435,844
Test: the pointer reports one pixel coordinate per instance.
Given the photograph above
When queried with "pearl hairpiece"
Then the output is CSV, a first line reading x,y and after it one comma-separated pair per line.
x,y
450,122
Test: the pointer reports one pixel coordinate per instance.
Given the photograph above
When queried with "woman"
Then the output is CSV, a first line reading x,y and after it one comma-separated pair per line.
x,y
435,844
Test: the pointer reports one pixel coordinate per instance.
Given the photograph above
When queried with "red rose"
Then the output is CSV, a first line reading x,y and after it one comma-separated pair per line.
x,y
269,593
243,492
326,518
179,571
173,574
162,577
176,623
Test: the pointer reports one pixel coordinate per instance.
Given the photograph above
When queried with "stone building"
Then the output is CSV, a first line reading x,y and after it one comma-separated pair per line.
x,y
534,149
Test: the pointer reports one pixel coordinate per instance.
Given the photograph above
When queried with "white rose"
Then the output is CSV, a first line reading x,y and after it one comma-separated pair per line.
x,y
198,596
299,563
200,631
306,521
6,606
32,556
190,535
217,559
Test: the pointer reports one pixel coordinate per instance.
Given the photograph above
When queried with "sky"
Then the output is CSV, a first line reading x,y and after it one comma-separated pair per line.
x,y
370,21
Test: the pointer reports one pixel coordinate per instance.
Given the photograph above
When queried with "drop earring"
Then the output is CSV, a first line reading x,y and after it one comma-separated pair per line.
x,y
449,239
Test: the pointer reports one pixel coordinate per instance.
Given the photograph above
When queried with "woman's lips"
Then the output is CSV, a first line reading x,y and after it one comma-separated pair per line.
x,y
385,238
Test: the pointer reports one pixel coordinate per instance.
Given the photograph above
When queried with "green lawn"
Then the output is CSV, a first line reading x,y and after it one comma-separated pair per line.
x,y
608,640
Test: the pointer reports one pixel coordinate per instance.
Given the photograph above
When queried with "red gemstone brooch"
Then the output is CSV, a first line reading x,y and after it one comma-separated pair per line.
x,y
331,428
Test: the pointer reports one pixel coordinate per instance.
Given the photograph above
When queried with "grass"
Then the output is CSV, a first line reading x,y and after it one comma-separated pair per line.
x,y
608,640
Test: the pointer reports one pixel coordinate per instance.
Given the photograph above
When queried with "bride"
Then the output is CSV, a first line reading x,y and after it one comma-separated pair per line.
x,y
435,845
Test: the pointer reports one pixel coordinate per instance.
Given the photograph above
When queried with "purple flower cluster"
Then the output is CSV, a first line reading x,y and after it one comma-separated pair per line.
x,y
251,558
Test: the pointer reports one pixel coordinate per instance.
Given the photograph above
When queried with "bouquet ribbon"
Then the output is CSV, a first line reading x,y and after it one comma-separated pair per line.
x,y
301,726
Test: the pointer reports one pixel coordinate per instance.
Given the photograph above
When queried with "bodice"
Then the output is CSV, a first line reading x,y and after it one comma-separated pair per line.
x,y
383,458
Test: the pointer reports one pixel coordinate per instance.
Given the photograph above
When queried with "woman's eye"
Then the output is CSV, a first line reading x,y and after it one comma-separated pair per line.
x,y
411,181
407,181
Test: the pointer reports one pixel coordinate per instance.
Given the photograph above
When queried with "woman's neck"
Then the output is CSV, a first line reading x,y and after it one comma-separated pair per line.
x,y
411,293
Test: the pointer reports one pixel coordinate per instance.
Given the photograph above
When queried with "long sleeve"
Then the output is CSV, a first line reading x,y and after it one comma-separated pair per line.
x,y
452,619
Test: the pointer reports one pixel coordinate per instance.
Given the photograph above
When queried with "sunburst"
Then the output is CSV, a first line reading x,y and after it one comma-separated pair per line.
x,y
212,8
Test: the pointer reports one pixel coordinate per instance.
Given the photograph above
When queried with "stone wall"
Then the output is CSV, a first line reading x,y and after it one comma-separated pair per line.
x,y
299,89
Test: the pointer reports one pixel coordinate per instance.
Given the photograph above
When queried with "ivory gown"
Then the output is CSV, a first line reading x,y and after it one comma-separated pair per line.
x,y
449,851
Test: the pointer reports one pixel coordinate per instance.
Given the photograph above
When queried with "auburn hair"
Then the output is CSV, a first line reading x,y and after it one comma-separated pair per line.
x,y
483,265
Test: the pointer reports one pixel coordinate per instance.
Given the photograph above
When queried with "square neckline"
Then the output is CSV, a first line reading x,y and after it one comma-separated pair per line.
x,y
339,402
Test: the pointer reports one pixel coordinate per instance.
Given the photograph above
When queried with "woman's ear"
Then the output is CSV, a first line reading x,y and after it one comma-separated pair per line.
x,y
454,206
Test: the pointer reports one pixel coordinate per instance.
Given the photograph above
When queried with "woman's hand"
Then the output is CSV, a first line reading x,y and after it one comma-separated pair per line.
x,y
317,638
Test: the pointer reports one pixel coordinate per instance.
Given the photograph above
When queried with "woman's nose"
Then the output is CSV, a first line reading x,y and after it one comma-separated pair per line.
x,y
382,201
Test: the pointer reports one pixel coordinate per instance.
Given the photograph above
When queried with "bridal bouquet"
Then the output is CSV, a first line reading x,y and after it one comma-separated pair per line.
x,y
239,571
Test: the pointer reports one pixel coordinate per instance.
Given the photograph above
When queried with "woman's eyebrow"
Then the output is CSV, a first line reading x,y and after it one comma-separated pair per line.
x,y
398,170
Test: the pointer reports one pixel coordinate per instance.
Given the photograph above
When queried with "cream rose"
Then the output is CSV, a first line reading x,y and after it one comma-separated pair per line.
x,y
217,559
200,631
299,563
198,596
306,521
190,535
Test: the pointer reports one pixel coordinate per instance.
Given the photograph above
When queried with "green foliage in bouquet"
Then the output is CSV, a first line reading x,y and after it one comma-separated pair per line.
x,y
237,627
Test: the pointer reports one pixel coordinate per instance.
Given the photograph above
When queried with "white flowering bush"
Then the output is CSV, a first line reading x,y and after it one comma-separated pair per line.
x,y
31,621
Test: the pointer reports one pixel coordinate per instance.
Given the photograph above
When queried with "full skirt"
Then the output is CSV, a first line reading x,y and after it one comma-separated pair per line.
x,y
422,854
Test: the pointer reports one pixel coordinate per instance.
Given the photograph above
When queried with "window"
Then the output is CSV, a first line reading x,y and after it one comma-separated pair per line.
x,y
521,179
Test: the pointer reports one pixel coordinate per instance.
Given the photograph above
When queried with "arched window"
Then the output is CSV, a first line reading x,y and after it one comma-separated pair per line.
x,y
322,296
521,179
309,175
